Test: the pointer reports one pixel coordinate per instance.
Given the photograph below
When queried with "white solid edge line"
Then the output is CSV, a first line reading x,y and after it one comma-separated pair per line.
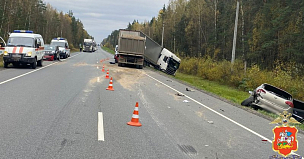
x,y
32,71
242,126
100,127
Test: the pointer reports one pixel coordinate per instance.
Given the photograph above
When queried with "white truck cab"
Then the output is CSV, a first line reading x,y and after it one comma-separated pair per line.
x,y
168,62
24,47
64,51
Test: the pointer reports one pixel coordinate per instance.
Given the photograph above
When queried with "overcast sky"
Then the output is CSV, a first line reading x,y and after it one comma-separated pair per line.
x,y
101,17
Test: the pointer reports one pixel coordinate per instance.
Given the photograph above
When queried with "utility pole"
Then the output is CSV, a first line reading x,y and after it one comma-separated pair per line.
x,y
235,32
163,35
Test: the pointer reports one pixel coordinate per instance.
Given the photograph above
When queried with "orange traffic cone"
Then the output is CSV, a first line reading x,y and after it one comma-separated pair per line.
x,y
103,68
107,75
110,88
135,118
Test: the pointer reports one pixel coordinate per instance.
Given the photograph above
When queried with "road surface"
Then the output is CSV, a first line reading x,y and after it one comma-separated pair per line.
x,y
63,110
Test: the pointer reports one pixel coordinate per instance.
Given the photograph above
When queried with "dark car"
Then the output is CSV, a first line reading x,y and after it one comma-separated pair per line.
x,y
50,52
298,110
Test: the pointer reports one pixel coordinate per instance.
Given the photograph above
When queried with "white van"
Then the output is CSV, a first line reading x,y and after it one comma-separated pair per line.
x,y
2,45
64,51
24,47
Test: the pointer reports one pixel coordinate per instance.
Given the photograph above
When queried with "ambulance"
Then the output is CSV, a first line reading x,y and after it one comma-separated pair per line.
x,y
24,47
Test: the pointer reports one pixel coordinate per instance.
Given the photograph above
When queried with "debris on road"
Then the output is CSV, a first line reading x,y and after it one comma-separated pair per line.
x,y
210,122
179,94
222,110
185,101
187,89
169,80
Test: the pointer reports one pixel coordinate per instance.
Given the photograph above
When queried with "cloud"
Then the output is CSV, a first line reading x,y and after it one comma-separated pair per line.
x,y
96,15
100,18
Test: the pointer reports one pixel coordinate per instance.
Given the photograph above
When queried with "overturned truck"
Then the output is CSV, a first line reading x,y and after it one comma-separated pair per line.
x,y
136,48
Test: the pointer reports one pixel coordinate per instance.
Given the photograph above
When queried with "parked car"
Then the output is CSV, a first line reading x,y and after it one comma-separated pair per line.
x,y
270,98
50,52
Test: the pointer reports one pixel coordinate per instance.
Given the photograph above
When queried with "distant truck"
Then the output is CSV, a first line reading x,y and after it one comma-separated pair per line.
x,y
89,45
131,48
160,58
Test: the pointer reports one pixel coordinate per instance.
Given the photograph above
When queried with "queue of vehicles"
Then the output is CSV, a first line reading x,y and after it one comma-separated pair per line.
x,y
25,47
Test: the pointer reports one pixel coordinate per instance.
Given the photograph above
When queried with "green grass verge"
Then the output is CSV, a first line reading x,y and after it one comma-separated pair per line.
x,y
233,95
108,50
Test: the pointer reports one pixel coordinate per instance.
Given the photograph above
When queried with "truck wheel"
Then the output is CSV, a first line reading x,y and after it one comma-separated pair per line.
x,y
39,63
119,64
34,64
140,66
5,64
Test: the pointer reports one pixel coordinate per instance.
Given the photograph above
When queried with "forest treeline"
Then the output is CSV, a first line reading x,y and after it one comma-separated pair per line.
x,y
41,18
269,31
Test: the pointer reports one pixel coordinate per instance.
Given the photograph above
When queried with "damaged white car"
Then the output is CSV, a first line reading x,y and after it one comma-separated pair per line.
x,y
274,100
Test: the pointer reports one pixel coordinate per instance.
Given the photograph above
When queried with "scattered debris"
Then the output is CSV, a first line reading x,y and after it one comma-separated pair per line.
x,y
206,145
169,107
179,94
264,140
222,110
185,101
169,80
187,89
210,122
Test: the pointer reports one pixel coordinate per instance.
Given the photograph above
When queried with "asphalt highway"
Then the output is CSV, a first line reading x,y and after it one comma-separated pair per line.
x,y
63,110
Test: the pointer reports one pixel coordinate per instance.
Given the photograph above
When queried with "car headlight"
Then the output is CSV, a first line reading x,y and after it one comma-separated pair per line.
x,y
5,53
29,54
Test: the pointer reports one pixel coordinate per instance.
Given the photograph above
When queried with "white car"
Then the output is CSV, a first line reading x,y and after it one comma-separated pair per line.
x,y
270,98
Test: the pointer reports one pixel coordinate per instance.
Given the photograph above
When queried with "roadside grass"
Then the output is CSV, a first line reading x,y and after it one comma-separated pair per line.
x,y
108,50
231,94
